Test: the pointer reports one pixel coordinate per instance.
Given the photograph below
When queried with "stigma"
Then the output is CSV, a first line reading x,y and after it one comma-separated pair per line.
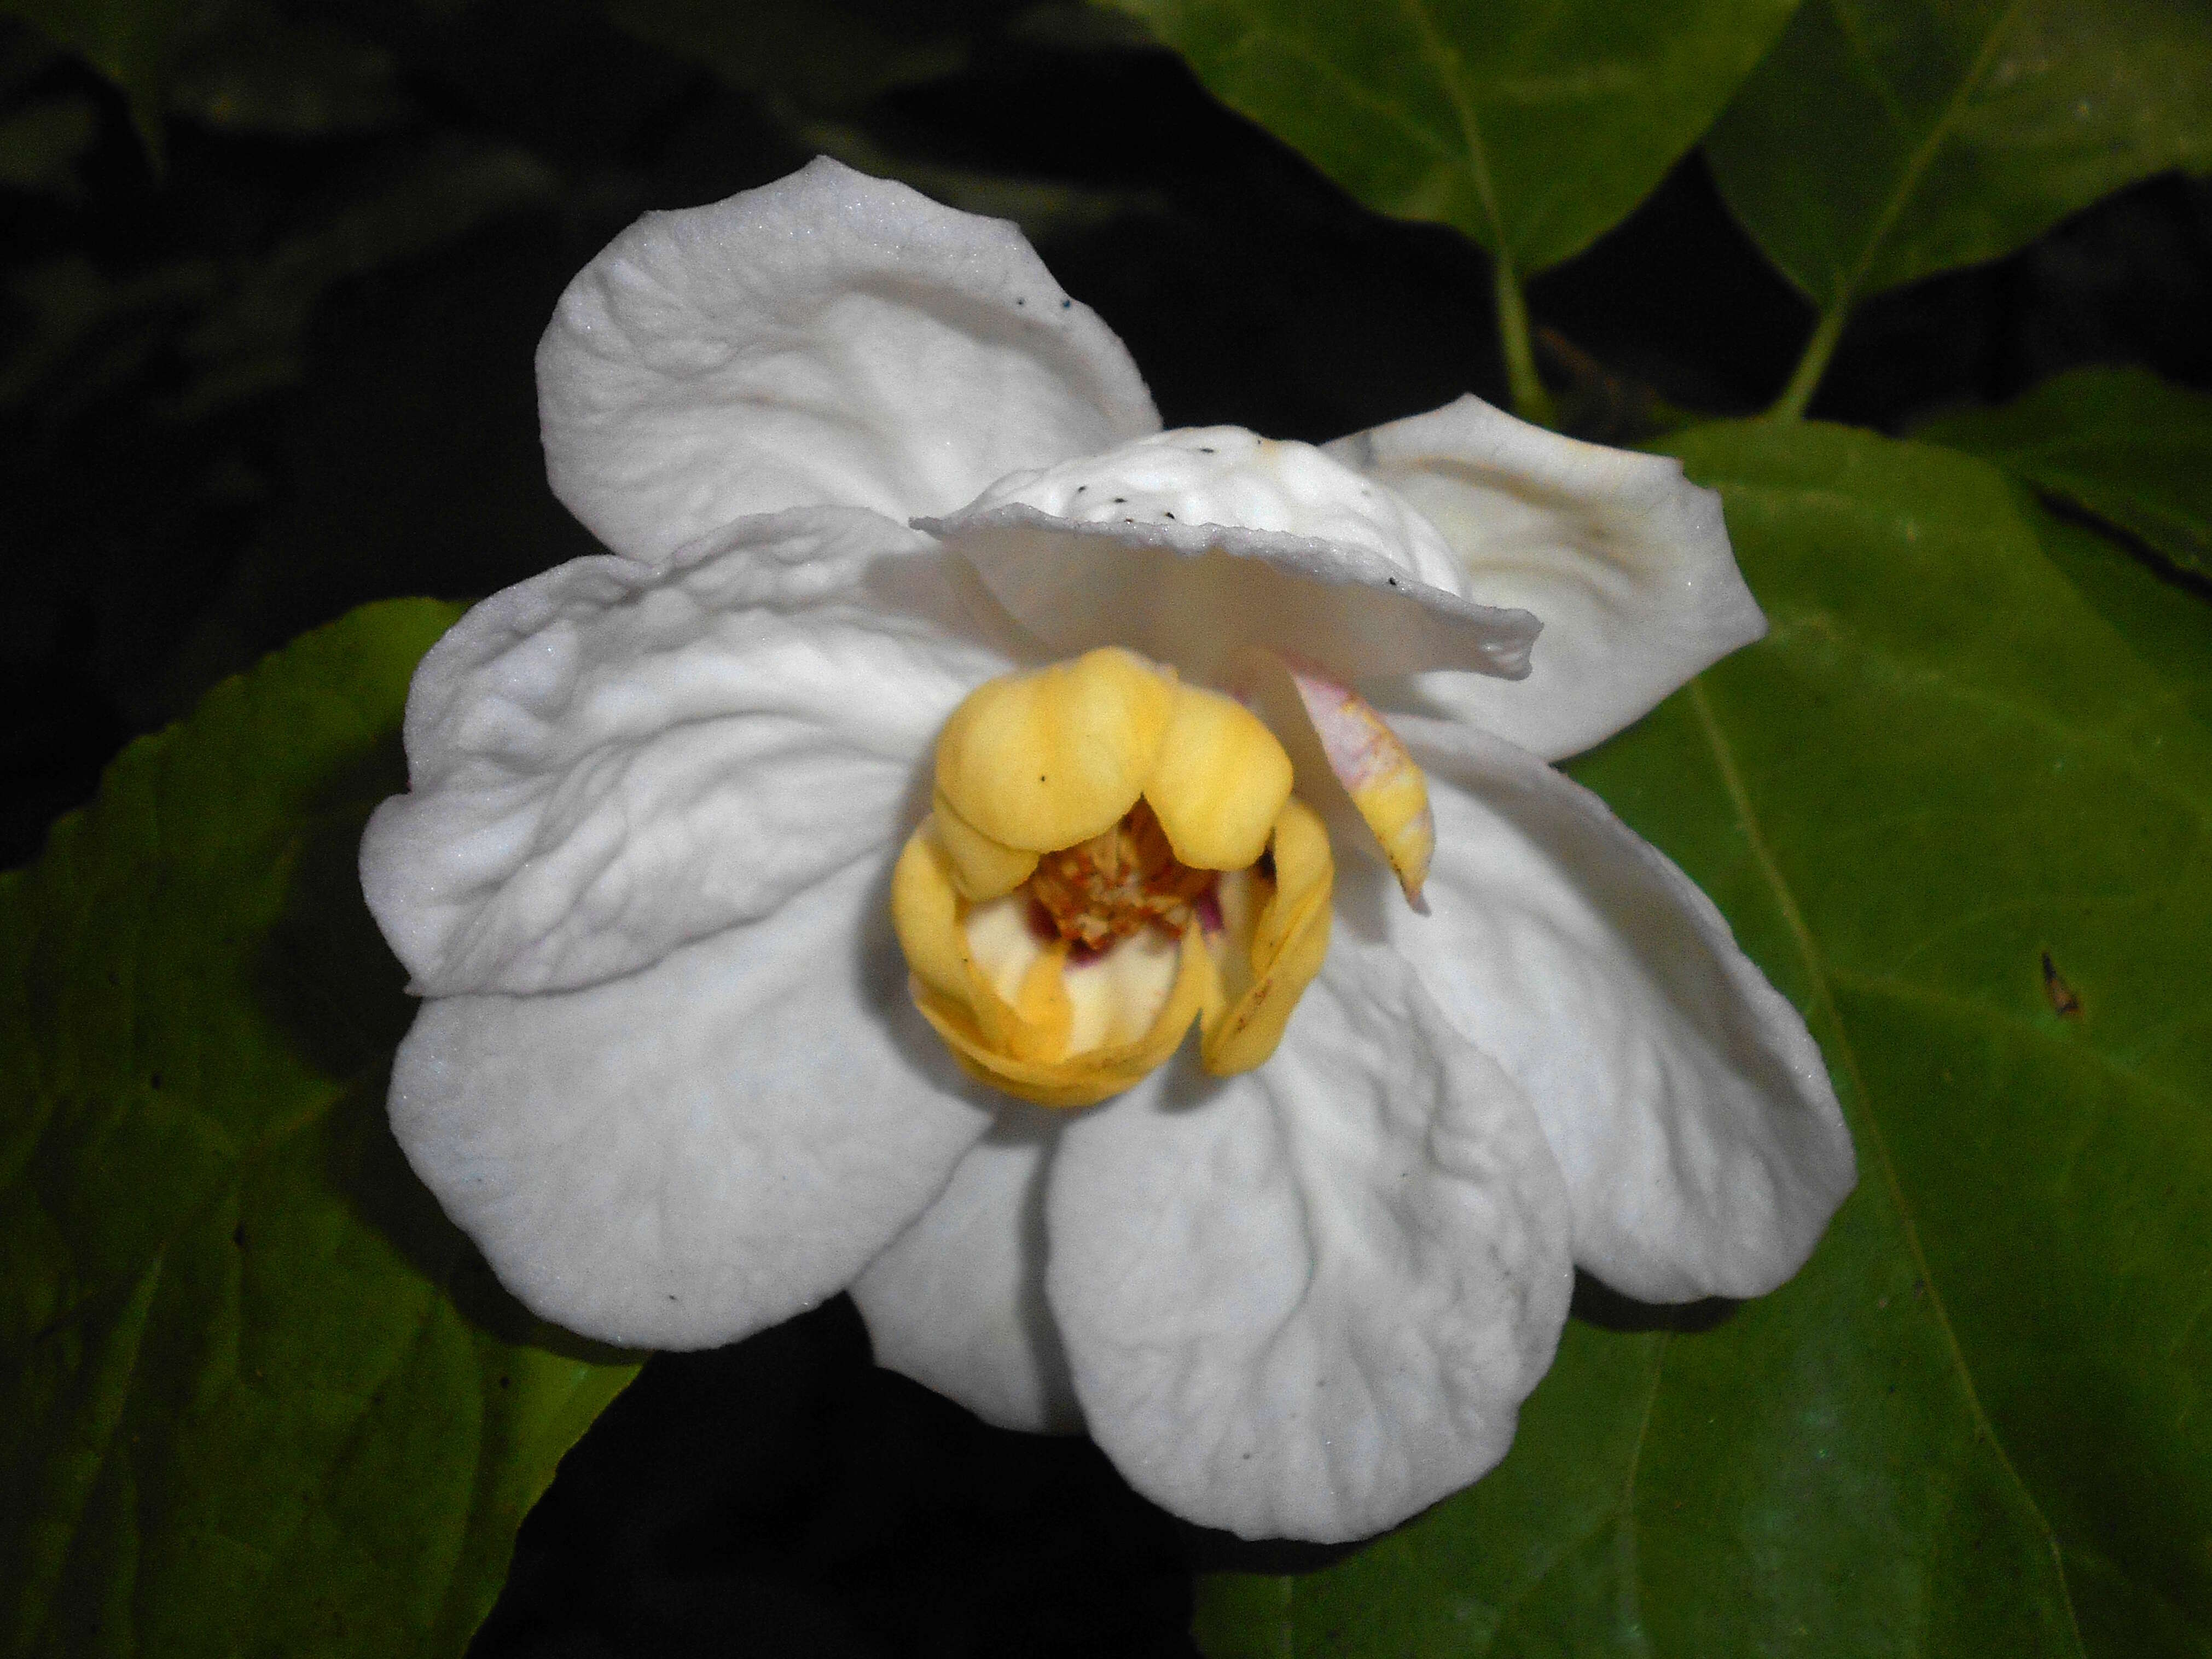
x,y
1112,856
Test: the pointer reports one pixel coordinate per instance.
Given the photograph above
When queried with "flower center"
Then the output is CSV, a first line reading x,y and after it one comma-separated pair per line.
x,y
1104,889
1112,856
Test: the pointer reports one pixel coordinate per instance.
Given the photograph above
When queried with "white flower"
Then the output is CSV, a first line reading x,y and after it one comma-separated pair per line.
x,y
669,1072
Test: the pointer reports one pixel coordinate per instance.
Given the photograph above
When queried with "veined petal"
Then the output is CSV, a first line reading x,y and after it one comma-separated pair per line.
x,y
957,1301
681,1157
614,758
830,338
1193,544
1308,1302
1686,1102
1628,563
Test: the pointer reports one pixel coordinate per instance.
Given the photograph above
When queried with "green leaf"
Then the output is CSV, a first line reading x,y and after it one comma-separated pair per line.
x,y
256,1396
261,73
133,42
2119,444
1533,129
1977,1422
2136,598
818,54
1885,140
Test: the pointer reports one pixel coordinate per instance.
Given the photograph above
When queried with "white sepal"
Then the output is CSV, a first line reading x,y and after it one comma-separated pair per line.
x,y
957,1301
614,758
1308,1301
679,1157
1194,544
1687,1104
829,338
1628,563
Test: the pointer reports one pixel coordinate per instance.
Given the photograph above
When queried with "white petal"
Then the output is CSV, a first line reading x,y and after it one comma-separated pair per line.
x,y
1686,1101
1626,561
1306,1302
1193,545
613,757
682,1157
828,338
957,1301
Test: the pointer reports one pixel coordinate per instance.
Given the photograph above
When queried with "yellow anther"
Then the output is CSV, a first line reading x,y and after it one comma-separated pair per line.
x,y
1040,761
1220,779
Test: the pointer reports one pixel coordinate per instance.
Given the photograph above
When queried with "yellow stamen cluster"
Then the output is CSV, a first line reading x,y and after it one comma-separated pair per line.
x,y
1121,879
1151,825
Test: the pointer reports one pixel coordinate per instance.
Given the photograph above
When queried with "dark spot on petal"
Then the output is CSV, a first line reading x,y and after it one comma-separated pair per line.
x,y
1064,304
1206,449
1170,515
1021,302
1121,501
1393,581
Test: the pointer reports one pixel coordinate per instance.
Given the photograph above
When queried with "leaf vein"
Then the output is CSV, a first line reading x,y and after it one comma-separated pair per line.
x,y
1818,971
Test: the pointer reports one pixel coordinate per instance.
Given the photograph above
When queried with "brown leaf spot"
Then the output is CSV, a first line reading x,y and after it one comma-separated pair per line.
x,y
2063,1002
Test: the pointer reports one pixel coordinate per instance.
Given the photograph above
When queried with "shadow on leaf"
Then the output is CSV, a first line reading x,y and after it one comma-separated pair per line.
x,y
327,981
1602,1305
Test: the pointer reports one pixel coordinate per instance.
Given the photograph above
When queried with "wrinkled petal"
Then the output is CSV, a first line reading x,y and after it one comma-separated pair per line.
x,y
1308,1302
1626,561
614,758
677,1158
1194,544
957,1301
830,338
1686,1104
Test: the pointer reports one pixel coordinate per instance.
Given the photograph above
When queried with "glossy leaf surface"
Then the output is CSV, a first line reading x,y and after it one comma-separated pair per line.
x,y
2119,444
1532,129
1976,1423
256,1396
1885,140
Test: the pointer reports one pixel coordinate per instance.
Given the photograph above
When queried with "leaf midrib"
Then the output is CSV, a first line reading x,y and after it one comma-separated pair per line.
x,y
1869,1130
1443,60
219,1189
1922,156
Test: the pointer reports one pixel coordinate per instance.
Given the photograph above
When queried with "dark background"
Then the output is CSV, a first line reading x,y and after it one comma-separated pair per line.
x,y
288,370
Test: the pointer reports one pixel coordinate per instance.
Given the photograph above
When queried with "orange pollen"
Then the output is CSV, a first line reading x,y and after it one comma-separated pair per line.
x,y
1104,889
